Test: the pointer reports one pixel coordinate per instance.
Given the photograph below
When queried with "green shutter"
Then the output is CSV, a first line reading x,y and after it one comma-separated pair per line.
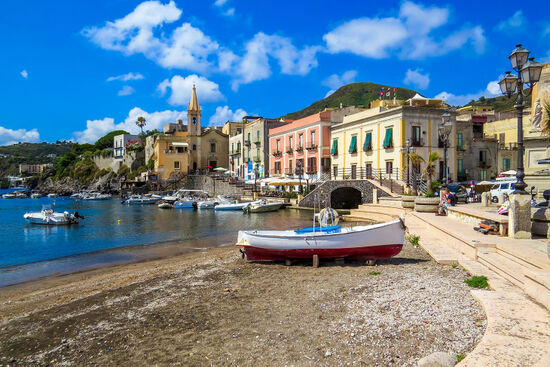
x,y
353,145
367,144
334,150
387,138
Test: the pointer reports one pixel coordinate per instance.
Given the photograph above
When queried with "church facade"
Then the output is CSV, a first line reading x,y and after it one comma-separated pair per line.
x,y
185,149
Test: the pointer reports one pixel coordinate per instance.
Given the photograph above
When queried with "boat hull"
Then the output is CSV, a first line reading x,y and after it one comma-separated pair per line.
x,y
263,208
363,242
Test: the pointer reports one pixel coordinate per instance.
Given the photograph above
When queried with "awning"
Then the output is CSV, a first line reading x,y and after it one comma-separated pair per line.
x,y
387,138
367,145
334,150
353,145
180,144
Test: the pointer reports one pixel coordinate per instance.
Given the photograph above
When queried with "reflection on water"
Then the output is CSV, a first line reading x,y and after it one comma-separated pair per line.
x,y
28,251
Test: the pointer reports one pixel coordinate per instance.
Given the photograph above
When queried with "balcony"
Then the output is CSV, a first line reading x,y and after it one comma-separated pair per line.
x,y
484,164
311,170
311,147
258,142
289,151
277,153
257,158
300,150
247,143
417,143
235,153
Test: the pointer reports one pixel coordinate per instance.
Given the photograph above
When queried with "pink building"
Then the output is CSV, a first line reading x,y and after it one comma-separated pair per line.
x,y
304,143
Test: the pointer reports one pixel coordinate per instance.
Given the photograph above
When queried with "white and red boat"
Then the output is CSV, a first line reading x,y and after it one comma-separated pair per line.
x,y
377,241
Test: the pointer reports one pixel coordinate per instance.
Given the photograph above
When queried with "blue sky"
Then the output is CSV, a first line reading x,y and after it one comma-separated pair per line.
x,y
79,69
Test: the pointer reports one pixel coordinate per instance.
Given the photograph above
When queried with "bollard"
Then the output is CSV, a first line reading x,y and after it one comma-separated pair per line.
x,y
486,198
375,196
519,216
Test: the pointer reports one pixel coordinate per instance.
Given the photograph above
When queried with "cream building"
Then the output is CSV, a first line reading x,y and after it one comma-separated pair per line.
x,y
373,142
186,149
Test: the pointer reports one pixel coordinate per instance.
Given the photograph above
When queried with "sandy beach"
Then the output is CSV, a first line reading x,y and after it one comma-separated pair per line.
x,y
214,308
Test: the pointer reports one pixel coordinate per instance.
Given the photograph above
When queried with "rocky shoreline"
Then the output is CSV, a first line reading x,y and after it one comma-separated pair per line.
x,y
214,308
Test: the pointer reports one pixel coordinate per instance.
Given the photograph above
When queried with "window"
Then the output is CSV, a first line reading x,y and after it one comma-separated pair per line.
x,y
483,174
415,141
460,167
301,140
194,120
368,169
257,135
176,164
335,171
238,130
290,167
278,145
459,141
367,145
179,149
232,147
312,165
312,141
502,138
389,167
212,147
482,156
277,167
506,164
388,138
334,150
194,146
353,144
353,171
239,147
290,142
248,137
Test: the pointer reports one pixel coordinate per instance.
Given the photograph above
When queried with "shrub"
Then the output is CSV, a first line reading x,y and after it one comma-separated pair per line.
x,y
413,240
429,194
460,357
477,281
436,185
151,164
123,170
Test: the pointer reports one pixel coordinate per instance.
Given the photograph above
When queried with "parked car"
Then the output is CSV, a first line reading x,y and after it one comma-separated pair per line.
x,y
501,188
460,192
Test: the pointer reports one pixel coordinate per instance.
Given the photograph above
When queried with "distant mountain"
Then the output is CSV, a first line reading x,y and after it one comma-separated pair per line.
x,y
500,103
354,94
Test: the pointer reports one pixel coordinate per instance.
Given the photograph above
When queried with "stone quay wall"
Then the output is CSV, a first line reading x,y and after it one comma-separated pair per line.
x,y
325,190
211,186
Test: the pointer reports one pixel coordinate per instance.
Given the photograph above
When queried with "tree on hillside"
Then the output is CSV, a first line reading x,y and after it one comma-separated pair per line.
x,y
107,140
141,122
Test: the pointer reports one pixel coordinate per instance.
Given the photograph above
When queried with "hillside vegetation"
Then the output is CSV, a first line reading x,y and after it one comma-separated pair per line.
x,y
354,94
500,103
29,153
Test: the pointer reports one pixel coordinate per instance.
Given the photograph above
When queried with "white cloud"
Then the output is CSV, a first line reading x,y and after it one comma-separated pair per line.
x,y
24,74
9,136
220,2
95,129
408,35
207,91
254,65
126,91
491,90
515,22
126,77
335,81
417,79
224,114
187,47
229,12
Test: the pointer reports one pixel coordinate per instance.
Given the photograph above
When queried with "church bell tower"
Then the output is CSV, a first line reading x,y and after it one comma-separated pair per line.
x,y
194,115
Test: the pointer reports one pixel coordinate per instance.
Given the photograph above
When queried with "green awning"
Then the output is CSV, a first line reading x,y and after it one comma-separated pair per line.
x,y
387,138
334,150
353,145
367,145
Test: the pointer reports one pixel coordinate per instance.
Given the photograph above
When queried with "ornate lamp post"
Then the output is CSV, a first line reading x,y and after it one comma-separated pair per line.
x,y
299,171
445,129
408,142
528,72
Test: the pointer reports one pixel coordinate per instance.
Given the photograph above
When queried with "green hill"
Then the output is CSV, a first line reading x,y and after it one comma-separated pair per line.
x,y
354,94
29,153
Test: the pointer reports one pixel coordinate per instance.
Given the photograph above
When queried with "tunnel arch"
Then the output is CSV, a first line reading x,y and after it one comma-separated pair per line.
x,y
345,198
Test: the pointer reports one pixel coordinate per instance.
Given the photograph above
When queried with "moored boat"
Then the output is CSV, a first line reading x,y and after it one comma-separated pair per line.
x,y
263,207
52,195
232,206
9,195
36,195
142,200
165,205
49,217
370,242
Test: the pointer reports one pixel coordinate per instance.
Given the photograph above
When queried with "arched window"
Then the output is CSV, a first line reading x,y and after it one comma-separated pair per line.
x,y
194,120
194,146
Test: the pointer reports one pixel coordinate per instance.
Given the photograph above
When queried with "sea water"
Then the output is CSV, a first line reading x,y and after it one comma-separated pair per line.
x,y
113,232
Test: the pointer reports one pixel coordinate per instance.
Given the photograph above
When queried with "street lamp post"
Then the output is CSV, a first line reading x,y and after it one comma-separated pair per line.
x,y
299,171
445,129
408,141
528,72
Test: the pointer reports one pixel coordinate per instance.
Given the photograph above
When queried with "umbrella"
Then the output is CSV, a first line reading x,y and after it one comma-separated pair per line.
x,y
485,183
220,169
510,172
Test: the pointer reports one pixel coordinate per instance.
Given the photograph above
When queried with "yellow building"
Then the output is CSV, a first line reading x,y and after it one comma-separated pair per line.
x,y
232,128
373,142
184,149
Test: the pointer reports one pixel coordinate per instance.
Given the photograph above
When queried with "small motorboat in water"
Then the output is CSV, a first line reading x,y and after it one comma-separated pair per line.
x,y
36,195
263,207
370,242
165,205
52,195
49,217
10,195
142,200
96,196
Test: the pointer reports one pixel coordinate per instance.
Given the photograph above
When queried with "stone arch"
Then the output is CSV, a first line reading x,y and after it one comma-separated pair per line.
x,y
346,197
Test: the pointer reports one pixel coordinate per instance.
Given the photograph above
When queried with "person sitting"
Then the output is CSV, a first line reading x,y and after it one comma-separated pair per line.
x,y
445,202
505,207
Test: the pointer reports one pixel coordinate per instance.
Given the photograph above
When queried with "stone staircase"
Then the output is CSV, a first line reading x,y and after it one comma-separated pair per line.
x,y
374,212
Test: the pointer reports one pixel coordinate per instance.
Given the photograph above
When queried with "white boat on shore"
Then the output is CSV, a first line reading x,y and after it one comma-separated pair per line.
x,y
49,217
263,207
371,242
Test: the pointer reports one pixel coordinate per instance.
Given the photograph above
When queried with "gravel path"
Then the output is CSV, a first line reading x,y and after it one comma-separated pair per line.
x,y
213,308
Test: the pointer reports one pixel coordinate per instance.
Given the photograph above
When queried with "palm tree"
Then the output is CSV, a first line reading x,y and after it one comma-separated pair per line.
x,y
415,159
429,171
141,122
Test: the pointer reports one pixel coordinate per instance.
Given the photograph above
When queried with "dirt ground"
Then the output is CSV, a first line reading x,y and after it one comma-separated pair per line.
x,y
213,308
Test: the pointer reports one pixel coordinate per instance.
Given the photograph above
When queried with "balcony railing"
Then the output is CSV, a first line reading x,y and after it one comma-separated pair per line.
x,y
258,142
484,164
289,151
247,143
300,150
311,147
277,153
257,158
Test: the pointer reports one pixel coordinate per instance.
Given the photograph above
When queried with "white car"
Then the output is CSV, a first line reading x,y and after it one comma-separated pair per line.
x,y
502,187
